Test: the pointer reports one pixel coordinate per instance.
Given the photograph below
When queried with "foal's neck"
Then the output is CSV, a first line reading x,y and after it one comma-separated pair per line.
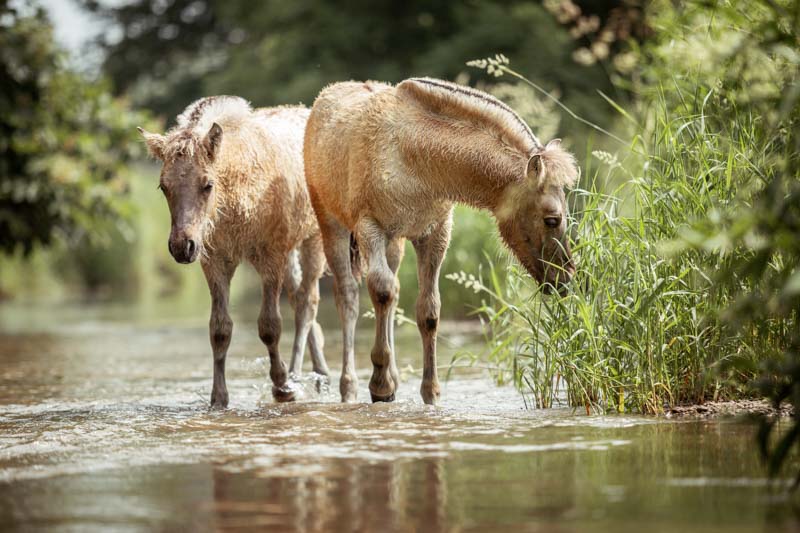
x,y
466,165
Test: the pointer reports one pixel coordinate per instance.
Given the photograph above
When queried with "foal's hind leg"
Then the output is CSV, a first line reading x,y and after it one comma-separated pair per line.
x,y
305,302
316,344
336,241
220,327
312,259
382,286
394,256
430,254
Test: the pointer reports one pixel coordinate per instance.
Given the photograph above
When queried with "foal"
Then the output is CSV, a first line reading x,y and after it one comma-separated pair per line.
x,y
233,180
387,163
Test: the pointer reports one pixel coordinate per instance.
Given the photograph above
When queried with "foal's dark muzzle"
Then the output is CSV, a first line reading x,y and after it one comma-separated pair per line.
x,y
560,287
560,281
183,250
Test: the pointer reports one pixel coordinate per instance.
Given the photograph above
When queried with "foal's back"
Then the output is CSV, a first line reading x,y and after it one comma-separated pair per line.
x,y
362,158
346,121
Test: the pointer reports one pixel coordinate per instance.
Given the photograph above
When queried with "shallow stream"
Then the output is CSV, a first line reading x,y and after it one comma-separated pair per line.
x,y
104,426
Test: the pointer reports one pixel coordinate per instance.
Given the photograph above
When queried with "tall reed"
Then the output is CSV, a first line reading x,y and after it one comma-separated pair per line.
x,y
638,331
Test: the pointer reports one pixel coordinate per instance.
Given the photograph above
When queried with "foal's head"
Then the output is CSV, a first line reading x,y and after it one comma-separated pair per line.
x,y
188,183
532,216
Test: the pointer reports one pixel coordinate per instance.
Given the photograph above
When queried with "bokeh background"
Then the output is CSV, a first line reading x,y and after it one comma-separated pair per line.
x,y
80,216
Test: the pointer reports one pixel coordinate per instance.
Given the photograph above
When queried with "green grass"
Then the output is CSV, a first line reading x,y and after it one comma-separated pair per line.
x,y
639,329
685,238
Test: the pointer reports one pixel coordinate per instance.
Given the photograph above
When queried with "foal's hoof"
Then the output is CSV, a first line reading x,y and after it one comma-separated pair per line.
x,y
430,394
284,394
321,382
376,399
348,387
219,400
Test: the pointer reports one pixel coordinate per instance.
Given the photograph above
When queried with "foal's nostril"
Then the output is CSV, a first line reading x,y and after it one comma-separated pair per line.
x,y
169,247
190,248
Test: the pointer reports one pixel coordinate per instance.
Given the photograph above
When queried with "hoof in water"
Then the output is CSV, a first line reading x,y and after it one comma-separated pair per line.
x,y
284,394
350,397
376,399
219,401
321,382
348,387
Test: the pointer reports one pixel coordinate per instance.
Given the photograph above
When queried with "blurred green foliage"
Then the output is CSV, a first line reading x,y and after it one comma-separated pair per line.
x,y
65,143
164,54
277,52
68,159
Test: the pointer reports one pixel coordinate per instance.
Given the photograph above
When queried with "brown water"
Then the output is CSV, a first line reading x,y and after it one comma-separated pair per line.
x,y
104,426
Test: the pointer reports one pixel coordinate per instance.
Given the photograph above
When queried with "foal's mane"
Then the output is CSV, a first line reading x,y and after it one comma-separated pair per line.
x,y
558,166
474,103
196,120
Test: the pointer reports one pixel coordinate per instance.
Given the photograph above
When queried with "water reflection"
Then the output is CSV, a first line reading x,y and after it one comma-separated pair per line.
x,y
565,489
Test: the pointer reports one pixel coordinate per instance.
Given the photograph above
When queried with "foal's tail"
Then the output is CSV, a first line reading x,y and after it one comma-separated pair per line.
x,y
355,258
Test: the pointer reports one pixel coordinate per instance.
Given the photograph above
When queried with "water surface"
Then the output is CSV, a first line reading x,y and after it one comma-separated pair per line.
x,y
104,426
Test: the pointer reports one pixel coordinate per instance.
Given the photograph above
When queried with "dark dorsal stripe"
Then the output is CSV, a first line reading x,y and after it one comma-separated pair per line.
x,y
182,139
468,91
199,108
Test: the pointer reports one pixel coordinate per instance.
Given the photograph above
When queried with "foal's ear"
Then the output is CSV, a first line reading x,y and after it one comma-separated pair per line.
x,y
541,158
212,141
552,145
155,143
535,168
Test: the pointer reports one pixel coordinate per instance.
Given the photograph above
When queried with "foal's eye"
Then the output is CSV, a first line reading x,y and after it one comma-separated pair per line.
x,y
552,222
208,186
161,188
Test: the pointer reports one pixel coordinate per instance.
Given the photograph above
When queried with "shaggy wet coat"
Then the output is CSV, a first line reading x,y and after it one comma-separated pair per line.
x,y
233,179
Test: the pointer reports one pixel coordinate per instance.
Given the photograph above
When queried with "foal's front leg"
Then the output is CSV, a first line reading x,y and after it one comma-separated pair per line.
x,y
220,327
269,330
382,290
430,254
336,241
